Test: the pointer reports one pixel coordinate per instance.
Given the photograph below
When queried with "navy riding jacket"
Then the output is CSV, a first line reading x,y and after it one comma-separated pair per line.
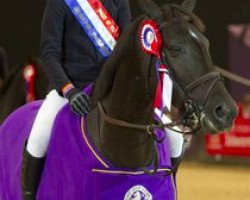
x,y
67,52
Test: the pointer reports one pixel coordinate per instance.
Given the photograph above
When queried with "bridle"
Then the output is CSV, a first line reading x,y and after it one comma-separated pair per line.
x,y
185,92
191,107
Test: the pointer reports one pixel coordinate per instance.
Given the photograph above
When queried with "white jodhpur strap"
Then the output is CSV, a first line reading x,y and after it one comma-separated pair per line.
x,y
42,127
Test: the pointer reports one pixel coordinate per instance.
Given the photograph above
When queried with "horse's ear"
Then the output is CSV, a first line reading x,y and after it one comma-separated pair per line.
x,y
151,9
189,5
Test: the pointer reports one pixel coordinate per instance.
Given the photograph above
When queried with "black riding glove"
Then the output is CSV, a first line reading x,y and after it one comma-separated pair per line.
x,y
79,102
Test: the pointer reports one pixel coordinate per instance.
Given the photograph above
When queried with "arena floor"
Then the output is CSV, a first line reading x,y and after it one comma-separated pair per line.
x,y
213,182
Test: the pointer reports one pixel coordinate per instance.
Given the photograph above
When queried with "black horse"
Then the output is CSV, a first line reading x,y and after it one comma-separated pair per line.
x,y
13,89
122,126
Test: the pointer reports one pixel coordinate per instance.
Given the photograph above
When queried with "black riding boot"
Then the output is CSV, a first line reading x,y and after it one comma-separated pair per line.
x,y
175,163
32,169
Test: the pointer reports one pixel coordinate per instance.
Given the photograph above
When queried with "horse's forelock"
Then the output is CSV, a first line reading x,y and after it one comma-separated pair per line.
x,y
172,11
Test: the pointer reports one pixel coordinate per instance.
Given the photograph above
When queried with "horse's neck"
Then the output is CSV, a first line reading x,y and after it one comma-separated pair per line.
x,y
124,147
130,99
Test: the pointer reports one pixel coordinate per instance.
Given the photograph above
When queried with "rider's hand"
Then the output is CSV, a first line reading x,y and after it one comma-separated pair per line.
x,y
79,102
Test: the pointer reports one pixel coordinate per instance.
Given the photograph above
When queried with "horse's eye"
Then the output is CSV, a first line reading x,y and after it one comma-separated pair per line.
x,y
175,48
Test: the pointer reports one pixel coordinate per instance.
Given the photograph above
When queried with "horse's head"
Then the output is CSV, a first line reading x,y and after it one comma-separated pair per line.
x,y
186,51
126,88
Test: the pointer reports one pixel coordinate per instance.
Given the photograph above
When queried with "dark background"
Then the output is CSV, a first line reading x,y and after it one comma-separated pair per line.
x,y
21,25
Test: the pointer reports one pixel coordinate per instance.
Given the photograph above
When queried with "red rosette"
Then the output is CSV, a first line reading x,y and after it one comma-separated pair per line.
x,y
151,38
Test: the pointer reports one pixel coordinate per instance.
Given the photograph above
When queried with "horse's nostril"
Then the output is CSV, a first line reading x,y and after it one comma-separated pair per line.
x,y
225,114
221,113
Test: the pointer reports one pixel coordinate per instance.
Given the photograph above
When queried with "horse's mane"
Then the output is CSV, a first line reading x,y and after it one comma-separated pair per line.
x,y
124,51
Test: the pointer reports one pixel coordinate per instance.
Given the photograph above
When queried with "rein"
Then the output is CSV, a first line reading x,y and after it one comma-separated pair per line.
x,y
150,130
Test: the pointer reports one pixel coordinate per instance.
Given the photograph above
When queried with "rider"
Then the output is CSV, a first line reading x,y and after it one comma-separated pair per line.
x,y
71,61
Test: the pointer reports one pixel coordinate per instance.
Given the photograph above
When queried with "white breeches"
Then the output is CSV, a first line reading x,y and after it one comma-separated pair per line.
x,y
42,127
176,141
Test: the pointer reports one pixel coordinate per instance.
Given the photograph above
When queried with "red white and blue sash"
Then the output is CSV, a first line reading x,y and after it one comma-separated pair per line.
x,y
97,23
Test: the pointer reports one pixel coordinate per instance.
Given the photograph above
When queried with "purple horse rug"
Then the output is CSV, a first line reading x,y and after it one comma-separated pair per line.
x,y
74,169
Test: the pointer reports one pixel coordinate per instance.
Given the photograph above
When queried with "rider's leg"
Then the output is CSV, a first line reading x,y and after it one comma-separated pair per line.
x,y
176,142
177,148
35,151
